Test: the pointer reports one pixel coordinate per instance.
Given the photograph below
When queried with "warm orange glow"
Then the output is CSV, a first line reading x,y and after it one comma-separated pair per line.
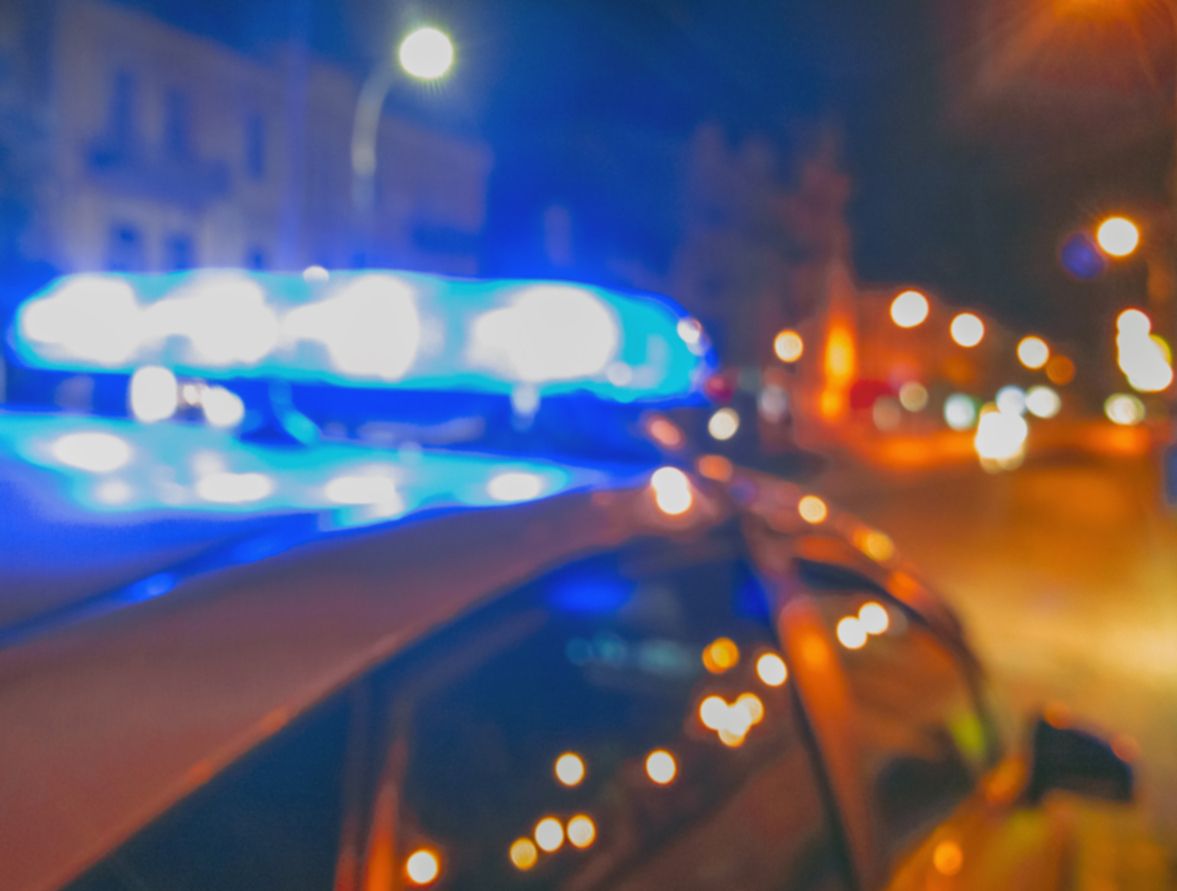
x,y
716,467
1060,370
813,509
423,867
771,669
839,365
582,831
967,329
910,309
569,769
841,356
524,854
948,857
1033,352
721,655
549,834
1057,715
1118,236
788,345
1126,747
661,767
664,432
875,544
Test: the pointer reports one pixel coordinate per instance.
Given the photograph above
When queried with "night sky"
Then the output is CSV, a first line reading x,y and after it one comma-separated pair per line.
x,y
966,196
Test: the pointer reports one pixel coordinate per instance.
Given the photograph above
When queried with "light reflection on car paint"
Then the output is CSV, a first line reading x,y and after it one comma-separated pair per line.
x,y
113,466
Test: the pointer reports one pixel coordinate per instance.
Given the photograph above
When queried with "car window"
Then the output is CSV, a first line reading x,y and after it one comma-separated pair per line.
x,y
921,737
621,724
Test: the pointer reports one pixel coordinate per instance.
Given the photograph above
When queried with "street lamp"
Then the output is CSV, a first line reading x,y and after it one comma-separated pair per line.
x,y
425,54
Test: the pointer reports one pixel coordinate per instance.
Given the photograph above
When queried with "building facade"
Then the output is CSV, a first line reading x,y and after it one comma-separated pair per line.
x,y
169,150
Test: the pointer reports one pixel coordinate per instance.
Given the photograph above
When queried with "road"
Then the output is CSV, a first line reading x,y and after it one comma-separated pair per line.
x,y
1065,572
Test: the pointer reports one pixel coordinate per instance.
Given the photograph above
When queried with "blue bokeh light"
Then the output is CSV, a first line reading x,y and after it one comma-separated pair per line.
x,y
369,328
1081,257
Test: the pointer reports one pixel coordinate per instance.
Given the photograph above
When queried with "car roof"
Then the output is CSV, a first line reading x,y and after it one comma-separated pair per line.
x,y
112,719
177,626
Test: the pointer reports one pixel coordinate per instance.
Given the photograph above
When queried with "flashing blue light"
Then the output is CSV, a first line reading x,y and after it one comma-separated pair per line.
x,y
117,466
370,328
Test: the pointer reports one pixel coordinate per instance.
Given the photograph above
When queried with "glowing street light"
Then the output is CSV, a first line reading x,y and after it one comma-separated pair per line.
x,y
910,309
1117,236
426,54
967,329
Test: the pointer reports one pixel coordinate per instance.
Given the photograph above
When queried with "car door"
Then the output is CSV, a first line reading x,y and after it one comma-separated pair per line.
x,y
915,757
627,722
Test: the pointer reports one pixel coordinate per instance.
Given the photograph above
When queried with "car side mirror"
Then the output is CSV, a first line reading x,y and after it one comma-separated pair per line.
x,y
1078,761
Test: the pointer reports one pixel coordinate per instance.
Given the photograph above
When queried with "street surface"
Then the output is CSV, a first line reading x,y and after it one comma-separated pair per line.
x,y
1065,573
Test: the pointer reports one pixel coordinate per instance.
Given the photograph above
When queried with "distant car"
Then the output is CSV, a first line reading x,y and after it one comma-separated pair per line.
x,y
356,666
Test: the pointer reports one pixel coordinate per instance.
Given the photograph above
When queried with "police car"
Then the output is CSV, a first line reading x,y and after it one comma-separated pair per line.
x,y
385,580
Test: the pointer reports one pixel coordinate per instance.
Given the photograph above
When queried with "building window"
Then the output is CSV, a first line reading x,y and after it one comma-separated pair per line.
x,y
121,115
124,248
179,252
255,146
177,124
255,258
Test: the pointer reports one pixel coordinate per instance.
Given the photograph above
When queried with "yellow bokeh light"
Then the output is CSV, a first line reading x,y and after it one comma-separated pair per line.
x,y
1033,352
721,655
875,544
753,707
1118,236
711,712
1124,409
851,634
947,858
913,396
549,834
423,867
724,424
524,855
569,769
771,669
661,767
731,738
788,346
812,509
967,329
873,617
582,831
910,309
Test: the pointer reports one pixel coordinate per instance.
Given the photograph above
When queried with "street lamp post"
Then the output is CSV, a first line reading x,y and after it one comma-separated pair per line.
x,y
425,54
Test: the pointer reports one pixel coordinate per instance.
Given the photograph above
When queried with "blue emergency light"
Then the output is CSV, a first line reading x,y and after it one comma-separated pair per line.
x,y
370,328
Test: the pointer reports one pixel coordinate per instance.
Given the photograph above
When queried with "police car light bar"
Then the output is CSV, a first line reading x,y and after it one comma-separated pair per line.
x,y
370,328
